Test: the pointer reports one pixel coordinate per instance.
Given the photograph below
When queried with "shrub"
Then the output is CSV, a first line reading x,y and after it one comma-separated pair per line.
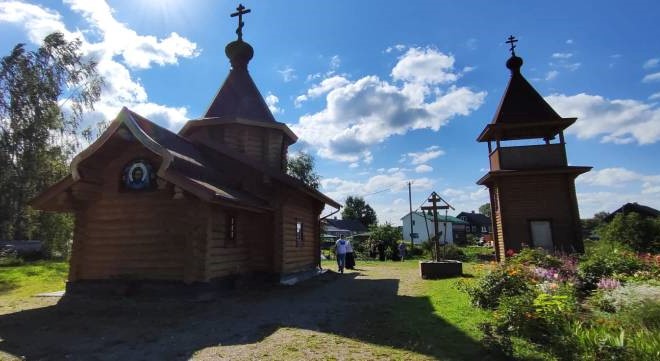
x,y
614,264
536,257
502,281
639,233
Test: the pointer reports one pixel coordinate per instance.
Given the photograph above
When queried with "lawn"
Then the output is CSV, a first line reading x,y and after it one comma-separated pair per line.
x,y
19,283
381,310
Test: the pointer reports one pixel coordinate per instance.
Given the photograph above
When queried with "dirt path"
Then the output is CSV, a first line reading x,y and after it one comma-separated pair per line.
x,y
330,317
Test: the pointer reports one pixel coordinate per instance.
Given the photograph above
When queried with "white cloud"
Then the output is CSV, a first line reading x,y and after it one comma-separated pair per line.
x,y
271,101
339,189
354,165
322,88
116,48
609,177
428,154
397,47
562,55
137,51
651,77
654,96
651,63
288,74
423,168
618,121
335,62
426,65
552,74
365,112
569,41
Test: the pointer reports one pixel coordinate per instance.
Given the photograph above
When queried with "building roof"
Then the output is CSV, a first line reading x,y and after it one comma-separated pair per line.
x,y
642,210
523,113
441,217
475,218
352,225
191,166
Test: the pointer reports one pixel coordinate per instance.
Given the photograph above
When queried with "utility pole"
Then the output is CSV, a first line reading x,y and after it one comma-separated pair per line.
x,y
412,242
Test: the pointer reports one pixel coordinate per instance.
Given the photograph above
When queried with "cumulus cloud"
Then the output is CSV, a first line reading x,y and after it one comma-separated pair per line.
x,y
569,41
271,101
324,87
137,51
618,121
361,113
631,186
425,65
116,48
428,154
654,96
423,168
651,63
339,189
397,47
651,77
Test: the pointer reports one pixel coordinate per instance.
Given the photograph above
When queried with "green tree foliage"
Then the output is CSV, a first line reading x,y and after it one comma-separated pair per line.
x,y
485,209
639,233
591,224
389,235
43,96
302,168
357,208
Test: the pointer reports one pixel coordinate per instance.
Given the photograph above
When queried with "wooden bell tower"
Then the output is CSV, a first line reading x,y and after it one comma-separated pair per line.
x,y
532,187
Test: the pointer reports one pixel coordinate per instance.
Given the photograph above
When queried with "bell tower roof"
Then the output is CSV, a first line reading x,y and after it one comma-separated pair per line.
x,y
522,113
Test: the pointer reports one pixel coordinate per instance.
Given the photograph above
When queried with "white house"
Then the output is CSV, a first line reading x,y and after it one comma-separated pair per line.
x,y
423,228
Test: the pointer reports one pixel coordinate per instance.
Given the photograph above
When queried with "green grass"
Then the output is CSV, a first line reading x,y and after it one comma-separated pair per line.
x,y
26,280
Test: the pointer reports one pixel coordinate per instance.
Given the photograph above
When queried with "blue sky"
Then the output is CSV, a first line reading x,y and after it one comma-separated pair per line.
x,y
386,92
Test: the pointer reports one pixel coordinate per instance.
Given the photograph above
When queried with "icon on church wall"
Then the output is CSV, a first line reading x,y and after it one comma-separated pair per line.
x,y
138,175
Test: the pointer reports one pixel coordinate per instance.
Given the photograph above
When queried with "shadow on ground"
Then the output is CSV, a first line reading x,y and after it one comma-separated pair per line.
x,y
83,328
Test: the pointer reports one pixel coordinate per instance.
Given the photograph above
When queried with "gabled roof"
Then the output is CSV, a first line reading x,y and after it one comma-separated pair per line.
x,y
475,218
644,211
441,217
523,113
193,167
352,225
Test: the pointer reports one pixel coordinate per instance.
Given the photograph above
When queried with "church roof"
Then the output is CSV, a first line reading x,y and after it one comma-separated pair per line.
x,y
193,167
523,113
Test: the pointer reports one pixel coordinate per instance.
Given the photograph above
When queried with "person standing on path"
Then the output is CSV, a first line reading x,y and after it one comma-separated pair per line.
x,y
350,256
402,251
340,250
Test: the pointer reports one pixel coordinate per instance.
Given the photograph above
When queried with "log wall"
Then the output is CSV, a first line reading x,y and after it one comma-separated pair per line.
x,y
137,234
300,255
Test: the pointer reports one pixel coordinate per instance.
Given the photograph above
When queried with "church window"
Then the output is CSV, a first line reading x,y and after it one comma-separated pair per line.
x,y
299,233
230,237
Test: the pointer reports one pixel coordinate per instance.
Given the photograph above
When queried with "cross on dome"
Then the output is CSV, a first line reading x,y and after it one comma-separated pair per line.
x,y
240,11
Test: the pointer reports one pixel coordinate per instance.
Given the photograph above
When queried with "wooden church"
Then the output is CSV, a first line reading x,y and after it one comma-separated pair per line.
x,y
532,187
211,202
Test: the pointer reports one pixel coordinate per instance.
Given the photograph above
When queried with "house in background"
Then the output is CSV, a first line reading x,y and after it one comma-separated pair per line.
x,y
478,224
644,211
422,227
212,202
344,227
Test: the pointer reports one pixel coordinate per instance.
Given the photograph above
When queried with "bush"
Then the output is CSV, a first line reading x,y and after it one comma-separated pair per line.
x,y
598,265
502,281
536,257
639,233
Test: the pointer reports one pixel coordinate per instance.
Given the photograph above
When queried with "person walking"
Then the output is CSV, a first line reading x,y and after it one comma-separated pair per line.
x,y
340,250
350,255
402,251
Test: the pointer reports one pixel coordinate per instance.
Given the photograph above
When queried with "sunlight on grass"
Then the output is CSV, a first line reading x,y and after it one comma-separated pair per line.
x,y
31,278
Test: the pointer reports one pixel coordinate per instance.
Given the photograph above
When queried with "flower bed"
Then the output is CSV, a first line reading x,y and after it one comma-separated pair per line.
x,y
574,308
